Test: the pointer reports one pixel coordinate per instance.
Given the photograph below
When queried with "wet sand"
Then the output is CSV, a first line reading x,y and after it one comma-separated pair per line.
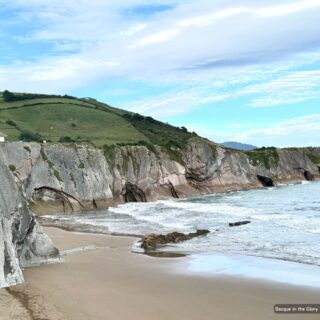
x,y
106,280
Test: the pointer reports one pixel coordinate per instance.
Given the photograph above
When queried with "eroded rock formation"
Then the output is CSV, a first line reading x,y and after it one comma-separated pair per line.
x,y
153,241
133,193
67,178
22,241
238,223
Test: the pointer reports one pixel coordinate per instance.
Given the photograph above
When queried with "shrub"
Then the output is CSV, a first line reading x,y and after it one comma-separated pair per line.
x,y
11,123
263,156
28,136
150,119
8,96
81,165
173,144
315,159
148,145
66,139
12,167
137,117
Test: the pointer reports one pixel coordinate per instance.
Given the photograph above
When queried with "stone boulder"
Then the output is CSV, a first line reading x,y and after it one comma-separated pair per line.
x,y
152,241
238,223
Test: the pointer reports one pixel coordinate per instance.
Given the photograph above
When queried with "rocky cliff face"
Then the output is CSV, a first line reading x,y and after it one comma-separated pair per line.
x,y
232,170
69,178
22,242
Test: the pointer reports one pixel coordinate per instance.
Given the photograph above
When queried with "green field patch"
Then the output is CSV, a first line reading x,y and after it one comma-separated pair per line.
x,y
263,156
315,159
56,121
65,119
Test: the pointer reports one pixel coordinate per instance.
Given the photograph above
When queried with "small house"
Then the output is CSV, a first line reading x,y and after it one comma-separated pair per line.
x,y
2,137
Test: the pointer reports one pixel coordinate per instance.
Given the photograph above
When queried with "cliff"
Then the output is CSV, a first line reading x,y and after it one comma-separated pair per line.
x,y
61,178
22,242
98,156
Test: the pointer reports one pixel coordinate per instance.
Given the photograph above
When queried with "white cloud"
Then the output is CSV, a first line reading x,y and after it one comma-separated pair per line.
x,y
207,19
159,37
133,30
260,86
172,104
300,131
192,37
289,8
297,86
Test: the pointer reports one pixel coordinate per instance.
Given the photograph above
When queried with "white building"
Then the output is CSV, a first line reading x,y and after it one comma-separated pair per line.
x,y
2,137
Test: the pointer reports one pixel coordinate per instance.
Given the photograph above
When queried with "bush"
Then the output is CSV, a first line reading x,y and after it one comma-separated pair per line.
x,y
28,136
68,97
262,156
148,145
150,119
173,144
66,139
11,123
12,167
137,117
8,96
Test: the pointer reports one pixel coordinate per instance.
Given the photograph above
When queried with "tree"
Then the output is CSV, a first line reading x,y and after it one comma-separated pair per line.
x,y
184,129
28,136
8,96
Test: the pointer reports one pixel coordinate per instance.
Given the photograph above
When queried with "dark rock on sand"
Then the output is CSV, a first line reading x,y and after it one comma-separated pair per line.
x,y
238,223
152,241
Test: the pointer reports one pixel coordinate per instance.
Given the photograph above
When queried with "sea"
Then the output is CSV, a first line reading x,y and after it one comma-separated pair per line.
x,y
281,243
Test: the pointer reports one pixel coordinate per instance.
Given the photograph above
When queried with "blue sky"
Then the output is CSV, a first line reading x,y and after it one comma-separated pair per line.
x,y
239,70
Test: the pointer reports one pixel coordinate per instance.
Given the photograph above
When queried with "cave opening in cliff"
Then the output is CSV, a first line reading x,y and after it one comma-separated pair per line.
x,y
265,181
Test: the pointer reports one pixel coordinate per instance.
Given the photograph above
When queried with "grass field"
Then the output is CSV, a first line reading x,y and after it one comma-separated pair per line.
x,y
56,118
32,117
55,121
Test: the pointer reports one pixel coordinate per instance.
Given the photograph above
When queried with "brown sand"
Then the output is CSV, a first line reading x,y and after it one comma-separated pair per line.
x,y
112,283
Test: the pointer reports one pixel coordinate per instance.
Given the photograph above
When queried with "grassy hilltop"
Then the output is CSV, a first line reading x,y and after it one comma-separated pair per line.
x,y
38,117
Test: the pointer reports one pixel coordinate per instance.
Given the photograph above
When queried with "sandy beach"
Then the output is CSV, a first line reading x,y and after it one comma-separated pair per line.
x,y
108,281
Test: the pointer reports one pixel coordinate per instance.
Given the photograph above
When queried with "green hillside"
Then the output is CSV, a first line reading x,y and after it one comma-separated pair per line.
x,y
33,117
66,119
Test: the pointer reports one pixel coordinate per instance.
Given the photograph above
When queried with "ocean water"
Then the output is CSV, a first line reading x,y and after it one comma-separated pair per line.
x,y
285,227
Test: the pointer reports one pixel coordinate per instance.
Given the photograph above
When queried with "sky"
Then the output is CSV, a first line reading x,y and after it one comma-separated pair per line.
x,y
238,70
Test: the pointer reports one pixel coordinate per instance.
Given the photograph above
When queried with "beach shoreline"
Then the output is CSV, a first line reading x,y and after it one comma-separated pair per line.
x,y
102,279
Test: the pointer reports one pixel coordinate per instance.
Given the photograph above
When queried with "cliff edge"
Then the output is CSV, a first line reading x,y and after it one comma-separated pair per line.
x,y
22,241
63,178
